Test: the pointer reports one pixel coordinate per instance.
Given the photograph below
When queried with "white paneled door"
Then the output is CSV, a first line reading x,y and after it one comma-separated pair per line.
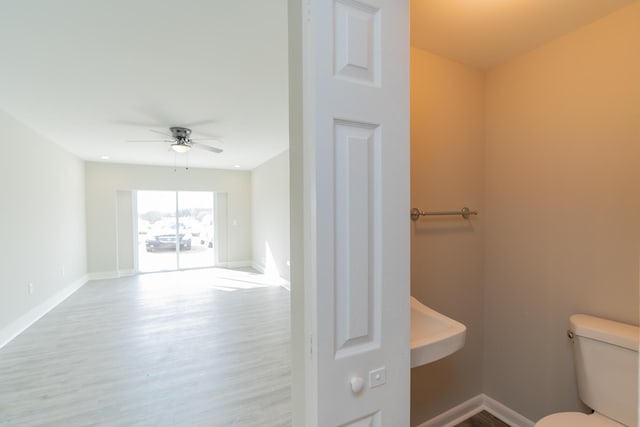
x,y
356,157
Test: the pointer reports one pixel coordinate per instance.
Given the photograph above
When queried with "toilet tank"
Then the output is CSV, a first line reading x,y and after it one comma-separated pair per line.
x,y
606,361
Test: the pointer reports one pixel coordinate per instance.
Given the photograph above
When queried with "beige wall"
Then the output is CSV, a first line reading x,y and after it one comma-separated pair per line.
x,y
270,216
562,207
43,236
446,253
547,147
103,180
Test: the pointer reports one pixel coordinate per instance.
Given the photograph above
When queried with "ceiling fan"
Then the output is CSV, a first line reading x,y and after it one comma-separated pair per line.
x,y
180,140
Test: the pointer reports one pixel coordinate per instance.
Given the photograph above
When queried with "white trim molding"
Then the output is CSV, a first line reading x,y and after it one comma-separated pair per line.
x,y
506,414
457,414
19,325
469,408
104,275
128,272
260,268
234,264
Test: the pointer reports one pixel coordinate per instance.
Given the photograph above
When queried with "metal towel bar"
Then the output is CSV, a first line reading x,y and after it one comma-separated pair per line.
x,y
464,213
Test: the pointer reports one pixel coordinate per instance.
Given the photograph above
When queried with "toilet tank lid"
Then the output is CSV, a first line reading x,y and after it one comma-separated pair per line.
x,y
609,331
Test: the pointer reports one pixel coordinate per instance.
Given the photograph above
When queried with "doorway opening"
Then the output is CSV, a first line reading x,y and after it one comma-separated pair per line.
x,y
176,230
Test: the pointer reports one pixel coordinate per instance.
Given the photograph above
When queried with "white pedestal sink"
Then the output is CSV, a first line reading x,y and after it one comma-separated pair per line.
x,y
433,335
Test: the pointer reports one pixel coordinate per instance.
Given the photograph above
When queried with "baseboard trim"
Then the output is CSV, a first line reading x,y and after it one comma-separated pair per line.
x,y
469,408
19,325
106,275
260,268
127,273
457,414
103,275
235,264
505,413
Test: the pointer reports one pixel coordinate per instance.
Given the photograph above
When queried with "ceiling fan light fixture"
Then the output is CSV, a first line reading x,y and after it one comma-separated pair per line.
x,y
180,147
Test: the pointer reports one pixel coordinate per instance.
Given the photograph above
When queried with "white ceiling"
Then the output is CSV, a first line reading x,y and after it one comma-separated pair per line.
x,y
484,33
90,75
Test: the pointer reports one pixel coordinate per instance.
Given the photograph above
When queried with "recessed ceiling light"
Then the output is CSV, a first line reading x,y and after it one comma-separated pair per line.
x,y
105,157
236,166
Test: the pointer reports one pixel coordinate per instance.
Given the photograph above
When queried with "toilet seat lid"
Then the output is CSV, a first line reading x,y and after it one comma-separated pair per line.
x,y
575,419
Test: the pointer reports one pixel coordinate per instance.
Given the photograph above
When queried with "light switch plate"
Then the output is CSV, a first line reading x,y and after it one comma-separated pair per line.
x,y
377,377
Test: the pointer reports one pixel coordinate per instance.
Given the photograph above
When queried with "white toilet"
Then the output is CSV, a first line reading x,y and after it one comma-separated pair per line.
x,y
606,361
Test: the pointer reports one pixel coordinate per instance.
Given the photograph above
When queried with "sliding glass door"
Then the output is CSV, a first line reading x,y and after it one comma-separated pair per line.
x,y
175,230
195,211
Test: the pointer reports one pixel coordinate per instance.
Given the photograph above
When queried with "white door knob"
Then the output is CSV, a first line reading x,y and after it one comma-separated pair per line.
x,y
356,384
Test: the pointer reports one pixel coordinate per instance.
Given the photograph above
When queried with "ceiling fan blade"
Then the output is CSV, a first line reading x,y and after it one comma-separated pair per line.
x,y
207,147
161,133
149,140
205,135
207,139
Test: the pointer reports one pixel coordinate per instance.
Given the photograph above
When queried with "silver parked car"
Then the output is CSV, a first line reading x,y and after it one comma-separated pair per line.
x,y
162,235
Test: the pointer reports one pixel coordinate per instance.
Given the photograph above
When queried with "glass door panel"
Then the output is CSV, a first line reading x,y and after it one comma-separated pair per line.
x,y
195,213
157,231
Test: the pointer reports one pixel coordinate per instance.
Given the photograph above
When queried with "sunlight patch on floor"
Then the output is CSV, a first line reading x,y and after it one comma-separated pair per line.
x,y
188,282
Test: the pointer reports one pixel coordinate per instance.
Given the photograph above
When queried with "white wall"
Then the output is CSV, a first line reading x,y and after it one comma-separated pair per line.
x,y
43,217
562,206
447,167
104,180
270,207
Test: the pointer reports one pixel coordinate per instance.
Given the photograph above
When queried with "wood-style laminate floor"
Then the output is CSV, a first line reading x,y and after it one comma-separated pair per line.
x,y
194,348
483,419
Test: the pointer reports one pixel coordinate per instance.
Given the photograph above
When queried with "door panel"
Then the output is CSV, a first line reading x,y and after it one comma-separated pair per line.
x,y
156,231
356,149
357,283
195,210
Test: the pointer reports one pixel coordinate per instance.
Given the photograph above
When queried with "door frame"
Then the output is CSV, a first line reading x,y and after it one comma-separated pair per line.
x,y
301,374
